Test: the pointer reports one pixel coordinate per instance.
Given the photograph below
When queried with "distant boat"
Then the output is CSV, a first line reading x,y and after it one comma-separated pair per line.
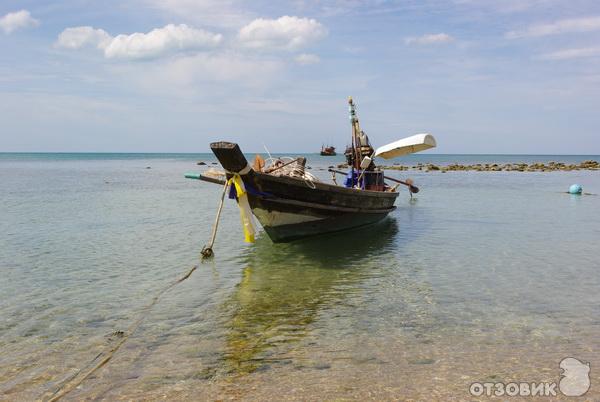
x,y
290,203
328,151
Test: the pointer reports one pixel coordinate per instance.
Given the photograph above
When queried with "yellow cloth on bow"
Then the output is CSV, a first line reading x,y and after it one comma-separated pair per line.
x,y
245,211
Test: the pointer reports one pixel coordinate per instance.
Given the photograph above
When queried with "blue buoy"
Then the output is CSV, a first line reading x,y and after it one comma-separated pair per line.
x,y
575,189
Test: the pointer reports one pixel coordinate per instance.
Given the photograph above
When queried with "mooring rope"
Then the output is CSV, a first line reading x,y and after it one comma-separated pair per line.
x,y
102,358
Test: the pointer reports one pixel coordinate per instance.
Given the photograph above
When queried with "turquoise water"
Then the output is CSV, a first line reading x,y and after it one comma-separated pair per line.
x,y
484,276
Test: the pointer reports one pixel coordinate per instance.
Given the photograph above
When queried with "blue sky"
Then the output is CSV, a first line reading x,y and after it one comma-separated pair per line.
x,y
483,76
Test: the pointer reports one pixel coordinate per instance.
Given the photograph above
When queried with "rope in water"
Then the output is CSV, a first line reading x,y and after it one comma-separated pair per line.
x,y
102,358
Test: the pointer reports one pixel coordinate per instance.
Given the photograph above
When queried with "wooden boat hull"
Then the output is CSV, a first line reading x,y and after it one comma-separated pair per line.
x,y
294,231
290,208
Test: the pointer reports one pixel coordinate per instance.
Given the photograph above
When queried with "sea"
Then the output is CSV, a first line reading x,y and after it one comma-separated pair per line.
x,y
480,278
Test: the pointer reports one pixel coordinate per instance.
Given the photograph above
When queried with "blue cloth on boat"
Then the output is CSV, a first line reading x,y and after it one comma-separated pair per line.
x,y
351,179
232,193
370,178
249,189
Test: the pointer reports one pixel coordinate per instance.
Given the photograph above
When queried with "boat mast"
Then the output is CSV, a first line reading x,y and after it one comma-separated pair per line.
x,y
355,133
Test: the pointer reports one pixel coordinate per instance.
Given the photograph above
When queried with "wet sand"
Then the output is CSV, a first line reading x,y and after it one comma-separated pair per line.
x,y
440,367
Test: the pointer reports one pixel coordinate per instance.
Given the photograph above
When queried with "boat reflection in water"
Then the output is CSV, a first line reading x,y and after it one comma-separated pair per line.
x,y
285,286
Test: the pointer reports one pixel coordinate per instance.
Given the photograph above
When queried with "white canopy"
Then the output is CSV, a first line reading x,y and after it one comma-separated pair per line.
x,y
405,146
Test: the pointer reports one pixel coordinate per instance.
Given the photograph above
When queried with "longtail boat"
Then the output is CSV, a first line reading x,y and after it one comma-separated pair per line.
x,y
290,203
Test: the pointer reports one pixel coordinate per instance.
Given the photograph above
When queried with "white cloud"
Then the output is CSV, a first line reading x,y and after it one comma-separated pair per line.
x,y
571,25
160,41
78,37
567,54
17,20
283,33
306,59
429,39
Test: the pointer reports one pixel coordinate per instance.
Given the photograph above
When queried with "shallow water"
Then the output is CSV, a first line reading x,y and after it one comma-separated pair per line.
x,y
484,276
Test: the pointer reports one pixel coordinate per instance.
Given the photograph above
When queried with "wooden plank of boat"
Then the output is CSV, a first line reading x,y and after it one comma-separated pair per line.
x,y
288,232
317,192
330,207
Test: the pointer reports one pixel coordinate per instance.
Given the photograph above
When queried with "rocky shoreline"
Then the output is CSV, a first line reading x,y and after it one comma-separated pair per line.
x,y
496,167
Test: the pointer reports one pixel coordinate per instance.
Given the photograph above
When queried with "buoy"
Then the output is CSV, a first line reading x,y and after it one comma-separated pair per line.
x,y
575,189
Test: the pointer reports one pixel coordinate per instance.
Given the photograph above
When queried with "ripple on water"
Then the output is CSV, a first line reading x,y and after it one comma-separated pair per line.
x,y
483,276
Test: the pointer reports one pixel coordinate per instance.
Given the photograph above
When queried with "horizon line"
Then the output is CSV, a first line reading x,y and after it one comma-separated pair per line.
x,y
277,153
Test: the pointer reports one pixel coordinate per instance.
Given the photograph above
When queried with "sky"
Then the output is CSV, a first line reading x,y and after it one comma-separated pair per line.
x,y
482,76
